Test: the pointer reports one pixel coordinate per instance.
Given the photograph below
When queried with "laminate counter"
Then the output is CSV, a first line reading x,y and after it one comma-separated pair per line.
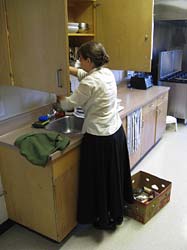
x,y
131,99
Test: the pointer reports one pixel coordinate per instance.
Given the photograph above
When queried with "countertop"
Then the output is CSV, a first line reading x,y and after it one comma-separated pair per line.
x,y
131,99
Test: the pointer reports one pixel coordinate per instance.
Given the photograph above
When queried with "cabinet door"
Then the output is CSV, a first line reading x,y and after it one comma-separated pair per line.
x,y
125,29
65,182
161,113
4,59
39,44
28,192
148,127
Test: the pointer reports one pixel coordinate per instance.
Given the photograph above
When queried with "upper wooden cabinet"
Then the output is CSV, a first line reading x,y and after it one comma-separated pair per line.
x,y
4,56
39,44
125,29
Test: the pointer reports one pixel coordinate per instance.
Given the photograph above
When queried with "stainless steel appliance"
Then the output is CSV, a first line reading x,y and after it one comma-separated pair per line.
x,y
171,75
170,10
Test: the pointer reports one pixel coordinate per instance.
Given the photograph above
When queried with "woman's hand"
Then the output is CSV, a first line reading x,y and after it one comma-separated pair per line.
x,y
60,98
57,105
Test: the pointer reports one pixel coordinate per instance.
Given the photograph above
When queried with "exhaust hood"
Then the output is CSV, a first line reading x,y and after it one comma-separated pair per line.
x,y
170,10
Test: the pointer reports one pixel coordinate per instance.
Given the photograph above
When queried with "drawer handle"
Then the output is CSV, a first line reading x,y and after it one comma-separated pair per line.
x,y
59,77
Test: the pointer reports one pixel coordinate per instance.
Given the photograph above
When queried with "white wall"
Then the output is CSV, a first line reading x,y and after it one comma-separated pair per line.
x,y
15,100
118,74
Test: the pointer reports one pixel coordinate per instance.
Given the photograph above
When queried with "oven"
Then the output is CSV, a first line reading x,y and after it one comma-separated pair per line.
x,y
171,75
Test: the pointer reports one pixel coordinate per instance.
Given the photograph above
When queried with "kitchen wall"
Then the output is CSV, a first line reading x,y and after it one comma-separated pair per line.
x,y
169,35
15,100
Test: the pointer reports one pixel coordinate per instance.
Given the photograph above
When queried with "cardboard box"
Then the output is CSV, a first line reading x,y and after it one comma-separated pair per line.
x,y
145,211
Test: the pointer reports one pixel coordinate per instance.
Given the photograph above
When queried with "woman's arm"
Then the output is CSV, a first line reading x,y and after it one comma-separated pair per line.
x,y
73,71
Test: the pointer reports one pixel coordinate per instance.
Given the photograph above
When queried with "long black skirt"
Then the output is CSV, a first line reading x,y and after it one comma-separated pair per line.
x,y
104,178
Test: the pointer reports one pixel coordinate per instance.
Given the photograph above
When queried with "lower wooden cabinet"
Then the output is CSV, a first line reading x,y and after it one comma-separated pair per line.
x,y
153,126
42,199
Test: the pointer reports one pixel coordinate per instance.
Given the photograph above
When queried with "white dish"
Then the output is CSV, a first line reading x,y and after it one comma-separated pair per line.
x,y
73,29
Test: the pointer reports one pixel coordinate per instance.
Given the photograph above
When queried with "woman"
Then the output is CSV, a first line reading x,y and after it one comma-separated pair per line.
x,y
104,177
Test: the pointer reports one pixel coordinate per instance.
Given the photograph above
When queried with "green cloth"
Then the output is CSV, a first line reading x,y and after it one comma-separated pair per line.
x,y
37,147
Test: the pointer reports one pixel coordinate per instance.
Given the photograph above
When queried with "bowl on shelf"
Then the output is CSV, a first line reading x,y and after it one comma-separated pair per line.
x,y
83,27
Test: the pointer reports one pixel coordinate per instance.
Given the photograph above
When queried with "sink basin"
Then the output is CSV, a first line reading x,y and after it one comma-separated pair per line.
x,y
66,125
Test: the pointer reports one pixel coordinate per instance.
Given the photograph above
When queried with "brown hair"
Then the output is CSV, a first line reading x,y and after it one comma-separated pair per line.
x,y
95,51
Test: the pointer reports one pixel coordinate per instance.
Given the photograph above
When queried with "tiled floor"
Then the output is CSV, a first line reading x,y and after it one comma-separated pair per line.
x,y
165,231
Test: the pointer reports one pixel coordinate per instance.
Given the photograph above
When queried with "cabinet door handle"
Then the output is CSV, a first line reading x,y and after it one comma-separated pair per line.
x,y
146,37
59,77
142,123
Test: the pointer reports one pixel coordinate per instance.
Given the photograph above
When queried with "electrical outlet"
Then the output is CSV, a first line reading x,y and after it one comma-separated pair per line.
x,y
2,108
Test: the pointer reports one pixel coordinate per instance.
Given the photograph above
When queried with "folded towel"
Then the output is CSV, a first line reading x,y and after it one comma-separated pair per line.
x,y
37,147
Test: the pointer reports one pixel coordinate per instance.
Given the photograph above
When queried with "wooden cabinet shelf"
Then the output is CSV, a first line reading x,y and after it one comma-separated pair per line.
x,y
81,35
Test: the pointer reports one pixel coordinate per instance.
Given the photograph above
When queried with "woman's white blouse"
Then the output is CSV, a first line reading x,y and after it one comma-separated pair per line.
x,y
97,95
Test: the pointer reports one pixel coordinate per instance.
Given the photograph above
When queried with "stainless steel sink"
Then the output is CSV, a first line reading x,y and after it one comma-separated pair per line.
x,y
67,125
